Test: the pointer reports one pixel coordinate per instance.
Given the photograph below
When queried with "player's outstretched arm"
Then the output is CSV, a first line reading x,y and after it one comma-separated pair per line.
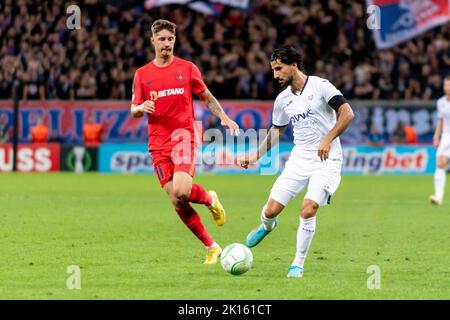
x,y
214,106
273,137
344,118
138,111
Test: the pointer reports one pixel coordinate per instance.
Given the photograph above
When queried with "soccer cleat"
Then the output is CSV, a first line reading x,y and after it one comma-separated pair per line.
x,y
217,210
295,272
255,236
213,255
435,200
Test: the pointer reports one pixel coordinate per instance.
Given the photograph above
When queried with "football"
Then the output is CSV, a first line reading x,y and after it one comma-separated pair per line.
x,y
236,259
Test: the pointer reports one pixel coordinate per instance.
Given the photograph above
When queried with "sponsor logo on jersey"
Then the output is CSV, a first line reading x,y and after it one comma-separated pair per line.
x,y
301,116
170,92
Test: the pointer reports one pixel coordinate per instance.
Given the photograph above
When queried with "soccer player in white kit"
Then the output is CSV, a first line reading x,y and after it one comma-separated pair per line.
x,y
441,140
319,114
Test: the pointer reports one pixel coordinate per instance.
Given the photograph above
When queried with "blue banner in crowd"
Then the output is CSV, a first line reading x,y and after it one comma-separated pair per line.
x,y
395,21
212,159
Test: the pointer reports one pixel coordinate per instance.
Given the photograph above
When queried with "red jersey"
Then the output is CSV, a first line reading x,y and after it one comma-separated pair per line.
x,y
171,89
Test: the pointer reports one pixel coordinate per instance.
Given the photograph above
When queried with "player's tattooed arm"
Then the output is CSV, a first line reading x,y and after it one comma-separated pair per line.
x,y
273,137
214,106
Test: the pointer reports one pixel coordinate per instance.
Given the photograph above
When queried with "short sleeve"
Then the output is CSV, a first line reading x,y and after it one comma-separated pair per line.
x,y
328,90
138,94
279,117
439,112
197,83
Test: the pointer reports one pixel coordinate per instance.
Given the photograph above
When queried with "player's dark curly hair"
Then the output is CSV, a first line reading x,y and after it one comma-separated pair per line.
x,y
287,55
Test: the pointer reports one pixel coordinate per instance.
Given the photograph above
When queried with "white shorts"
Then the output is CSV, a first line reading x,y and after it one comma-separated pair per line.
x,y
444,147
321,178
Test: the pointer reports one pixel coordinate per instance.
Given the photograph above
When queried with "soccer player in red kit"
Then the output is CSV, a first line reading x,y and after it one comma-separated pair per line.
x,y
163,90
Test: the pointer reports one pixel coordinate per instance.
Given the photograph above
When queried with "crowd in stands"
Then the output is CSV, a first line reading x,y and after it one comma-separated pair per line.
x,y
403,134
232,49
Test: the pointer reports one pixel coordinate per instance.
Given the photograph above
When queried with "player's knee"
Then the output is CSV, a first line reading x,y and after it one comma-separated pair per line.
x,y
272,209
181,194
309,209
174,200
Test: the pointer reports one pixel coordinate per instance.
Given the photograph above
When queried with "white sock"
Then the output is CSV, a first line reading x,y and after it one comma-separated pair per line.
x,y
214,244
305,235
268,223
212,202
439,183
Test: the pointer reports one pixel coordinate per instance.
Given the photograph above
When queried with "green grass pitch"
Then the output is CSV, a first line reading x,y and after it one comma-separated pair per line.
x,y
130,244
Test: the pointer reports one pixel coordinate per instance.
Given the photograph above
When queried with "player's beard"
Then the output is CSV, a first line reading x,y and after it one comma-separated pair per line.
x,y
166,52
286,83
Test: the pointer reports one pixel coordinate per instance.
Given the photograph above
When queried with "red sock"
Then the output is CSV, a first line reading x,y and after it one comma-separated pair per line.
x,y
192,220
199,195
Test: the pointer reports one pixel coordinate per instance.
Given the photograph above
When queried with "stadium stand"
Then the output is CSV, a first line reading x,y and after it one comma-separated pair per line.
x,y
231,49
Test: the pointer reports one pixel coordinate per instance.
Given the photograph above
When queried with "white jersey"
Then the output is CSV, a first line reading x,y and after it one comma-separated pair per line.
x,y
443,112
310,115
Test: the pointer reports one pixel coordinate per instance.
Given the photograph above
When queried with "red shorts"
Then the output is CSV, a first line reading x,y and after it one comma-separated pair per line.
x,y
166,163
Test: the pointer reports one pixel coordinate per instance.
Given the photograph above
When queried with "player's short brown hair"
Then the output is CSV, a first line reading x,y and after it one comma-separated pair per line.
x,y
162,24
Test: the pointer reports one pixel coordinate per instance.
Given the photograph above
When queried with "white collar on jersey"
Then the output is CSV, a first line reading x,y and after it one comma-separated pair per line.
x,y
298,93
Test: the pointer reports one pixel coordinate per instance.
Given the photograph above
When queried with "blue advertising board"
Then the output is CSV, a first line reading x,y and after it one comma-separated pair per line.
x,y
213,159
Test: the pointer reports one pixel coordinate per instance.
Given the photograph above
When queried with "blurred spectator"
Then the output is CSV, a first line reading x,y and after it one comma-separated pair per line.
x,y
410,134
374,138
87,88
5,87
39,133
398,136
64,88
92,132
231,49
404,133
33,80
433,89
